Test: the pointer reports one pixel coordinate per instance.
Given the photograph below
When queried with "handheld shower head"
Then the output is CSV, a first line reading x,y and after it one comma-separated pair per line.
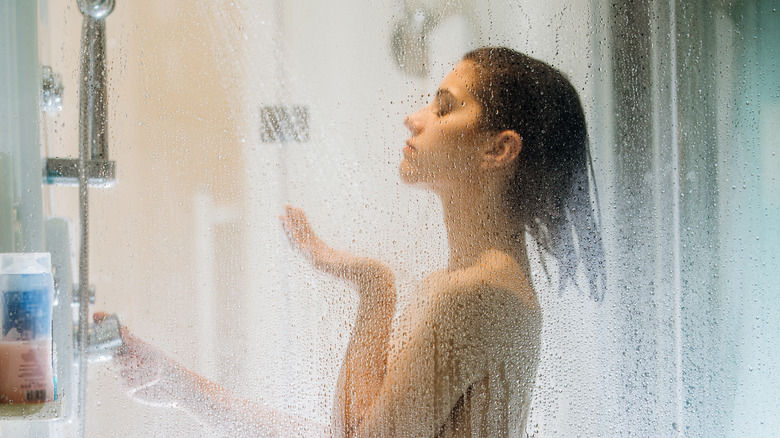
x,y
408,43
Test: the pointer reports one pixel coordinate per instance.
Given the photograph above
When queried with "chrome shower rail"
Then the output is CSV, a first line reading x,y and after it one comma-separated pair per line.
x,y
93,104
92,168
92,89
93,132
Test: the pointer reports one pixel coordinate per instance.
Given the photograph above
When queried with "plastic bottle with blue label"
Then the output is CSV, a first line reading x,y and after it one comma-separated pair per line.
x,y
26,294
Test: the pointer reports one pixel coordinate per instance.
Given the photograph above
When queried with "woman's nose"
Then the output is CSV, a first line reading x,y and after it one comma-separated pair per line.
x,y
412,122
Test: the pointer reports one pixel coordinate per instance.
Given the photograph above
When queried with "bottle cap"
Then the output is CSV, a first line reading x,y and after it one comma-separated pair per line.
x,y
25,263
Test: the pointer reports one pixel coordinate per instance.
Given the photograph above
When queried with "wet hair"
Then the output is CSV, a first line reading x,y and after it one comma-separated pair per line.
x,y
549,193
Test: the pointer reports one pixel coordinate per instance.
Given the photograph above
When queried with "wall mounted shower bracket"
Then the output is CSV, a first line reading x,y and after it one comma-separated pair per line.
x,y
65,171
91,292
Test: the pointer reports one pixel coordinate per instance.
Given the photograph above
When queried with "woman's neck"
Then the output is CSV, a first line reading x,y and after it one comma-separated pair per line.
x,y
477,222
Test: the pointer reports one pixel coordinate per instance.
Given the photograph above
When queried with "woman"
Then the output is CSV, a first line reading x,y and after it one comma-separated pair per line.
x,y
504,146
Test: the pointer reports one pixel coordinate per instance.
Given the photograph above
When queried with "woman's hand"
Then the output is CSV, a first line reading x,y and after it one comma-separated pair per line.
x,y
149,375
365,272
303,238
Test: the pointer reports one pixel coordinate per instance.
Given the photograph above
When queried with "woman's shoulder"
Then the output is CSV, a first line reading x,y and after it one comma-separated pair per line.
x,y
495,278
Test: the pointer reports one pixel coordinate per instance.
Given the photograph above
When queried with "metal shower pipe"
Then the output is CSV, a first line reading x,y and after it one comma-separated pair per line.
x,y
92,147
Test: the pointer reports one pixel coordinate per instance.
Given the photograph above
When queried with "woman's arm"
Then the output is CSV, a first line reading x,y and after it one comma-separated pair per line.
x,y
234,416
365,363
153,378
453,339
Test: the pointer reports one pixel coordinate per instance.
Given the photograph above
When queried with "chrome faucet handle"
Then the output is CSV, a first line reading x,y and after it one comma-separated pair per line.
x,y
105,339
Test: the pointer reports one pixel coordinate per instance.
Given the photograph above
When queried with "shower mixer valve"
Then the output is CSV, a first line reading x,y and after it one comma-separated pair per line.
x,y
105,340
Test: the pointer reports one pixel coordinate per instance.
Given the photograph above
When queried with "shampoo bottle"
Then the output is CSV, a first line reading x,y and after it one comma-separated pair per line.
x,y
26,293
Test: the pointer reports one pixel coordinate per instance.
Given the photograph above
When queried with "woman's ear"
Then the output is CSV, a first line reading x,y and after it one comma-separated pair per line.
x,y
503,151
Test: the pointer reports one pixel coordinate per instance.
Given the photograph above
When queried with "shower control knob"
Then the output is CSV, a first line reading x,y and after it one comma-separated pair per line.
x,y
104,339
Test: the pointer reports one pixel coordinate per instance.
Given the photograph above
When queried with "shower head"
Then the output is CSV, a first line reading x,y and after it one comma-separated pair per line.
x,y
408,43
410,38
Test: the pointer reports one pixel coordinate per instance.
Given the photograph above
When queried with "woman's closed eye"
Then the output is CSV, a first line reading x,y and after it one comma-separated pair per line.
x,y
444,103
443,106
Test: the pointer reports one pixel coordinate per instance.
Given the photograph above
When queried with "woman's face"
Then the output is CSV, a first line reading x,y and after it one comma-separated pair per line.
x,y
444,147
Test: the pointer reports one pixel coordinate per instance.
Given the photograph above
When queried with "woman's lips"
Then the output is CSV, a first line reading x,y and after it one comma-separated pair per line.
x,y
409,148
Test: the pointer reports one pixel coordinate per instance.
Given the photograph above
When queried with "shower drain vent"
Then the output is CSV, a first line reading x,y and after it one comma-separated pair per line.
x,y
280,124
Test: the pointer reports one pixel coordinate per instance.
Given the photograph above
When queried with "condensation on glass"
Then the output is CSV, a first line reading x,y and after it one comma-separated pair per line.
x,y
223,112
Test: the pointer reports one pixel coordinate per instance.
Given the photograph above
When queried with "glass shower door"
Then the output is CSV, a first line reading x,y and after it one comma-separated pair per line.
x,y
223,112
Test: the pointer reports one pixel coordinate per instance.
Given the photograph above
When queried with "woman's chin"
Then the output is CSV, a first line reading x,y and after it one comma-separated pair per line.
x,y
407,173
410,175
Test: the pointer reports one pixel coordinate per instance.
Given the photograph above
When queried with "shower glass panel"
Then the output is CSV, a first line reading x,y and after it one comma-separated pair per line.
x,y
223,112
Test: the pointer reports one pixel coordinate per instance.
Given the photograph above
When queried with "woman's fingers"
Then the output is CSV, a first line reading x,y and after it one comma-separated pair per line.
x,y
302,237
299,226
138,362
301,233
147,373
98,317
